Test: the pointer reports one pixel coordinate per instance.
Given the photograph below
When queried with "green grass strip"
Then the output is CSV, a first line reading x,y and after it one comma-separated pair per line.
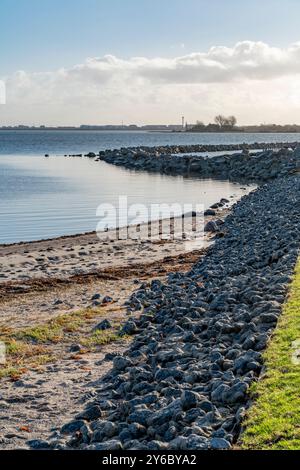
x,y
273,422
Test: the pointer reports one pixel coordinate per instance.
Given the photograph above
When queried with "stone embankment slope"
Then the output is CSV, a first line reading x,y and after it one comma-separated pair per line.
x,y
258,165
198,343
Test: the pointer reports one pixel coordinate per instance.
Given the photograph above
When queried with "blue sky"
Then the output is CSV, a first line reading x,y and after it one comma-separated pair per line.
x,y
41,35
70,62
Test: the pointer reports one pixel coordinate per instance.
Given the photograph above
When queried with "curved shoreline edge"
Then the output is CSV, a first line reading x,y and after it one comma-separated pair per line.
x,y
198,344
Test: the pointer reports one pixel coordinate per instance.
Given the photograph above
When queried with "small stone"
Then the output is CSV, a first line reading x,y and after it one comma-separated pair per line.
x,y
38,444
108,445
209,212
218,443
102,326
212,227
189,399
72,427
268,318
90,414
236,393
120,363
76,348
129,328
96,297
110,429
206,406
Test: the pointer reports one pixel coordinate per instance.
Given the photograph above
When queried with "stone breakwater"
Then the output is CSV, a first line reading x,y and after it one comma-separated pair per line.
x,y
263,165
184,381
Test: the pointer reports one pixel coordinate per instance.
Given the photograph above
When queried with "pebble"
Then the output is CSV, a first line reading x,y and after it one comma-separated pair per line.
x,y
103,325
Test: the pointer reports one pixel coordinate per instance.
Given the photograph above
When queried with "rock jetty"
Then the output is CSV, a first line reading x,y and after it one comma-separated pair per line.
x,y
197,347
246,162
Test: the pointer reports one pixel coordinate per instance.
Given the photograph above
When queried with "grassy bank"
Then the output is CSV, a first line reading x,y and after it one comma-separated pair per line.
x,y
273,422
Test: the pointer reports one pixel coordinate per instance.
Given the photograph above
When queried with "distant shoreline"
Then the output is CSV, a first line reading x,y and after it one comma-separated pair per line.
x,y
151,131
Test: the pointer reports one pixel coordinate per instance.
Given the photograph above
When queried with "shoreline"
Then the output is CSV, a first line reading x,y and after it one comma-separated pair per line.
x,y
199,324
84,254
92,234
146,131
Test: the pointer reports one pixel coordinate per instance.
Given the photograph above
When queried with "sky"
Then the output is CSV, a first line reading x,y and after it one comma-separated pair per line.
x,y
73,62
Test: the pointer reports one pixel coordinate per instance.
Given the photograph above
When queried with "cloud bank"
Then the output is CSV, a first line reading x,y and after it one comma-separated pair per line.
x,y
252,79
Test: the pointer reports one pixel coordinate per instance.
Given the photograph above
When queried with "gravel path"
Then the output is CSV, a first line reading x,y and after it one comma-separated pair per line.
x,y
184,382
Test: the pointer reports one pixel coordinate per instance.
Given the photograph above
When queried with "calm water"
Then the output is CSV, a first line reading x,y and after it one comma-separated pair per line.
x,y
42,198
62,142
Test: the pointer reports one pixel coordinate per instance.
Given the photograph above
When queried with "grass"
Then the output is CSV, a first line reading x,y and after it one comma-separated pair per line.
x,y
54,330
32,347
273,422
99,338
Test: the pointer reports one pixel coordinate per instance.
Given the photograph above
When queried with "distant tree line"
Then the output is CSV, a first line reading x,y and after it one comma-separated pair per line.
x,y
221,124
229,124
273,128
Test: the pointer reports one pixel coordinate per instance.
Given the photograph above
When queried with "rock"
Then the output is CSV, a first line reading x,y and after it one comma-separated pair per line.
x,y
219,444
190,399
157,445
137,430
121,363
236,393
268,318
96,297
90,414
72,427
110,429
86,434
212,227
129,328
107,300
38,444
206,406
107,445
103,325
179,443
209,212
140,417
195,442
219,394
76,348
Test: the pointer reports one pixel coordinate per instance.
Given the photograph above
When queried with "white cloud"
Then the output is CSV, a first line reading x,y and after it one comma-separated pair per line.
x,y
252,79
